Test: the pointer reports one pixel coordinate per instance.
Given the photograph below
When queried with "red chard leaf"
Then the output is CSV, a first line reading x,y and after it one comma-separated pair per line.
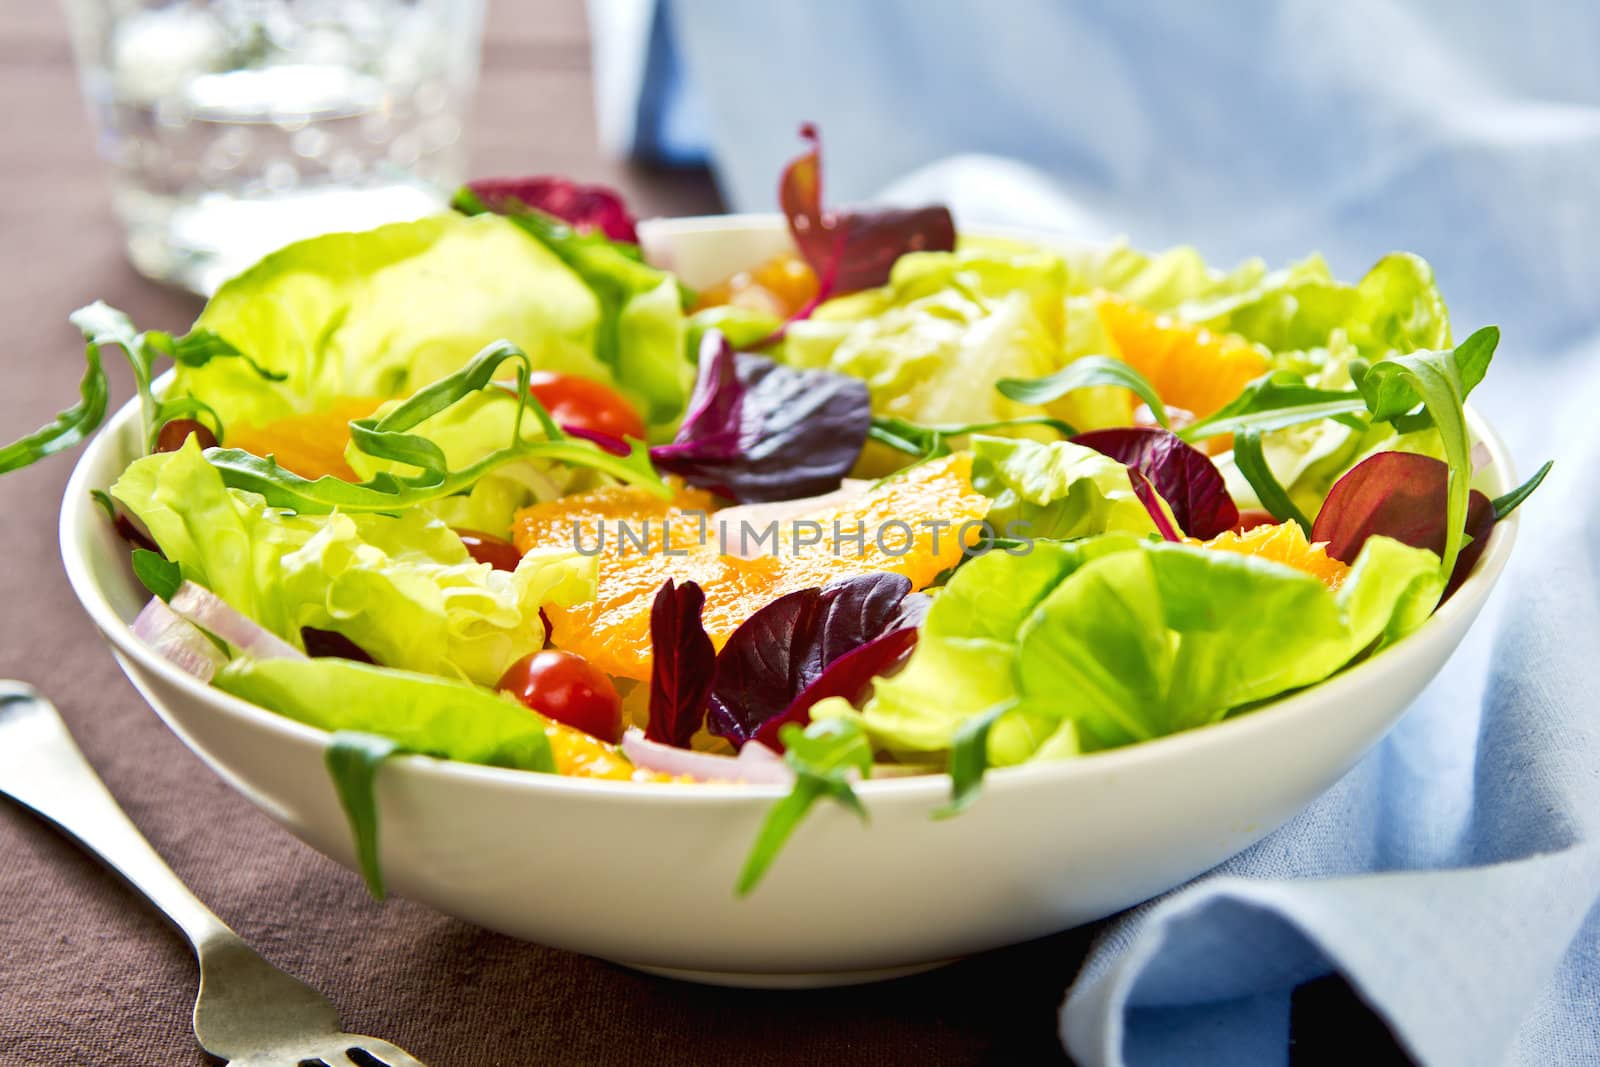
x,y
759,431
854,249
777,663
1184,476
328,644
1400,495
682,664
1146,492
850,676
585,207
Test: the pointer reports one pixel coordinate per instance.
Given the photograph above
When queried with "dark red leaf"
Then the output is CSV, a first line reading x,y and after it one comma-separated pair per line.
x,y
331,644
1404,496
611,443
760,431
682,664
1152,503
778,653
133,534
850,676
585,207
1184,476
855,249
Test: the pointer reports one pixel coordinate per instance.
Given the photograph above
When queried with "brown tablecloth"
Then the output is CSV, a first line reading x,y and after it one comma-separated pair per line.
x,y
89,975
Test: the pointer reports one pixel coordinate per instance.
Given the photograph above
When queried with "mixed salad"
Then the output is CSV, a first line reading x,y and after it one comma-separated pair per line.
x,y
492,486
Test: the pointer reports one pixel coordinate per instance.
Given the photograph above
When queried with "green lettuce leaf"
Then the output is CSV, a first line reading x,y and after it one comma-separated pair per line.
x,y
1126,639
402,587
964,660
386,311
1167,637
422,714
931,344
1057,490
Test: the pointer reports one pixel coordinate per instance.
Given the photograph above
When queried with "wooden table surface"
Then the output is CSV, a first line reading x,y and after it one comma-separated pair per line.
x,y
88,974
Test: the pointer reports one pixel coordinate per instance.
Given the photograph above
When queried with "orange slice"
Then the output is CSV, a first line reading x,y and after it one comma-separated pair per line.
x,y
580,755
780,287
1189,366
1285,542
915,524
309,445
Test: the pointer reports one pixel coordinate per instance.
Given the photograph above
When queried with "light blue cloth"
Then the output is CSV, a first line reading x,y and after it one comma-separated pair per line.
x,y
1454,876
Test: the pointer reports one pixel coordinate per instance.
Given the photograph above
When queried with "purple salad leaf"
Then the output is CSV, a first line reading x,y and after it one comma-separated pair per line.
x,y
853,249
758,431
1400,495
585,207
1151,499
1184,476
850,676
682,663
783,649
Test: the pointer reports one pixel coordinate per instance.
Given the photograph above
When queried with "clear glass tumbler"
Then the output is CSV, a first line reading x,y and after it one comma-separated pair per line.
x,y
233,127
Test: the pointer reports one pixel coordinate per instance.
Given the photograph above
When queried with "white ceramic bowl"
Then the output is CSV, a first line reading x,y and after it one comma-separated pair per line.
x,y
644,874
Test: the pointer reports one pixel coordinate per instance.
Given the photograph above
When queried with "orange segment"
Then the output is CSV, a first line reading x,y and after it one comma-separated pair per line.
x,y
1190,367
309,445
612,631
1284,542
780,287
581,755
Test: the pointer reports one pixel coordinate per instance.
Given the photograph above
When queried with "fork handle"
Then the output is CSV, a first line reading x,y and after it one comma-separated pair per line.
x,y
42,768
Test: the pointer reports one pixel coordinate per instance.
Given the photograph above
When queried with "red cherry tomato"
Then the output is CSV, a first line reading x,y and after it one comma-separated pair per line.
x,y
586,404
569,689
174,433
497,552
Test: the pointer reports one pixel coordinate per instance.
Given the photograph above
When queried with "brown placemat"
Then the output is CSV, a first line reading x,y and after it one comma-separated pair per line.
x,y
88,974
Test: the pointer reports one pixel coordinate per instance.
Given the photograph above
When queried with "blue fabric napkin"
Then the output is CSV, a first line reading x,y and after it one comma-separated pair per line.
x,y
1453,877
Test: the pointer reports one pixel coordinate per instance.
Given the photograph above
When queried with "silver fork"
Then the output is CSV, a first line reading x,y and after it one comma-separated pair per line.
x,y
248,1012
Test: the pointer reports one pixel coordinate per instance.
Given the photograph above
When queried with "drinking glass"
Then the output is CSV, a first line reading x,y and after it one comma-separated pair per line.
x,y
232,127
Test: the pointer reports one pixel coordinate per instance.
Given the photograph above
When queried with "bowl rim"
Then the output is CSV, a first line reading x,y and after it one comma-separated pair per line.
x,y
78,510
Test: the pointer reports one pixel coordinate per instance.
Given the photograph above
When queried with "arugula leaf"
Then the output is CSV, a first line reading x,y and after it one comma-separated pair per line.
x,y
159,574
969,758
821,756
1505,505
103,500
1084,373
931,441
1439,381
1248,457
353,760
386,438
1276,401
103,325
67,428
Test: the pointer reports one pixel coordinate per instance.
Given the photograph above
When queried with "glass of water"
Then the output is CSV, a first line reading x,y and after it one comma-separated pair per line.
x,y
233,127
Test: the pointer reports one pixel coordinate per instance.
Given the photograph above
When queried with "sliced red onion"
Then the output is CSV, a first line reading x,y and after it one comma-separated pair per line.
x,y
1481,457
756,763
210,612
178,640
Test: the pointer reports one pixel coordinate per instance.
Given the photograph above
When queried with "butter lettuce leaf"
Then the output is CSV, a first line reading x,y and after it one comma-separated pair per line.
x,y
1127,639
402,587
383,312
931,344
423,714
1168,637
1056,490
964,662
